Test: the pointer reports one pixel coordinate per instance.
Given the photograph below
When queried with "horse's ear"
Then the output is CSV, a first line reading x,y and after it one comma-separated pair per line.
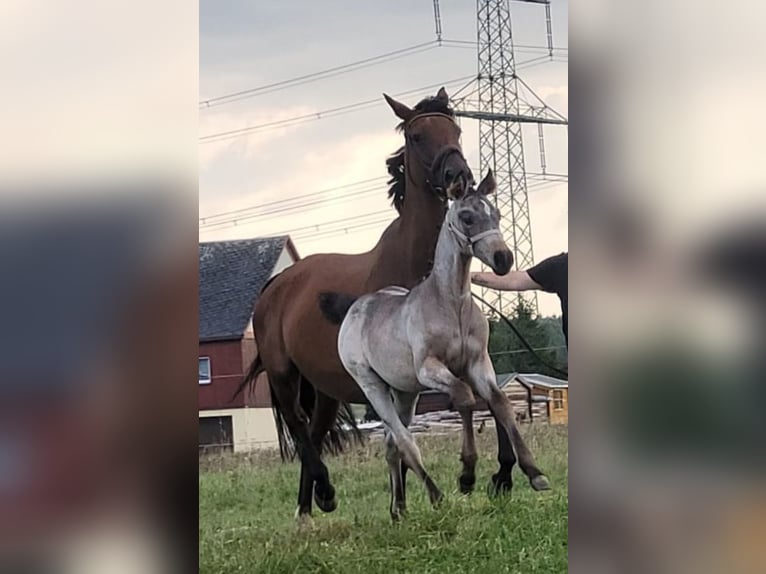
x,y
488,185
402,112
442,96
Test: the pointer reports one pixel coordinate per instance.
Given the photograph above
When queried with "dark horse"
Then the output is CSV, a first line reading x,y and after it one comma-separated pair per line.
x,y
297,345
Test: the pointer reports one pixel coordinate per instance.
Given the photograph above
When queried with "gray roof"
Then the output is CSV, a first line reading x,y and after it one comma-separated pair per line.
x,y
545,381
231,276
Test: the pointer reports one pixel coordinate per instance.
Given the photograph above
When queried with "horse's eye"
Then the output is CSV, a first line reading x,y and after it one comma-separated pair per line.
x,y
466,218
417,138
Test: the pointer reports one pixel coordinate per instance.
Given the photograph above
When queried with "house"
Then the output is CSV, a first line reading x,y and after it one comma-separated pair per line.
x,y
231,277
534,398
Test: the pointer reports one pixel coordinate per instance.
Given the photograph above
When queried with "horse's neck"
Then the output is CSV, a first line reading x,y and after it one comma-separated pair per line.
x,y
405,253
451,271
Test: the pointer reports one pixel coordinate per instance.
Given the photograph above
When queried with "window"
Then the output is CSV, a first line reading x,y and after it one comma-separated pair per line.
x,y
215,434
558,400
204,371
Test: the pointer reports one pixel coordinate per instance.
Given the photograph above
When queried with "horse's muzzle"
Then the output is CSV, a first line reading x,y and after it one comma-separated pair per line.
x,y
450,169
502,262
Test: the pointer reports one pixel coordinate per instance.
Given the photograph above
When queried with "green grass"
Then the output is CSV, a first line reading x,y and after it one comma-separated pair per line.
x,y
247,505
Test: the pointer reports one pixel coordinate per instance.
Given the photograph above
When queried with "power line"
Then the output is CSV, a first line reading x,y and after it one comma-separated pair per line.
x,y
294,205
321,114
297,120
315,76
316,232
518,351
295,209
474,44
206,218
540,183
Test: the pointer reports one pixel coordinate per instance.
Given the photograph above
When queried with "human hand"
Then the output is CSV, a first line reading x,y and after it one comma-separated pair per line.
x,y
483,279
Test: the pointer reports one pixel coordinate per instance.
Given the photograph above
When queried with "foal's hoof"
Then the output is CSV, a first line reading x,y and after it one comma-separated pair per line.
x,y
466,483
499,486
398,514
540,482
326,503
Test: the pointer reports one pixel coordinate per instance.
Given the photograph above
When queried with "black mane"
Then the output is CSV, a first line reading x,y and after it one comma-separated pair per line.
x,y
395,162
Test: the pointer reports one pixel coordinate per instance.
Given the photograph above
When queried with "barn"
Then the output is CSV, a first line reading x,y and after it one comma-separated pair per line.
x,y
231,276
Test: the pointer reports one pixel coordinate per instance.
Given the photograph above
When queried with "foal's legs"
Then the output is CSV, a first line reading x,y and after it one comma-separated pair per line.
x,y
322,418
435,375
404,403
379,394
468,455
482,375
502,480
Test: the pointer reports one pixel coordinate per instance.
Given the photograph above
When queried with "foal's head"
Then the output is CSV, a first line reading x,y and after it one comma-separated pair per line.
x,y
475,222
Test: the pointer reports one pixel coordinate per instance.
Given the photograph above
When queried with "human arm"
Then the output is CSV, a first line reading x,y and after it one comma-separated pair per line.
x,y
512,281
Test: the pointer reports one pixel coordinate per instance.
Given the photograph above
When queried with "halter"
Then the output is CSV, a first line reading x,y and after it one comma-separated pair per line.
x,y
441,155
471,241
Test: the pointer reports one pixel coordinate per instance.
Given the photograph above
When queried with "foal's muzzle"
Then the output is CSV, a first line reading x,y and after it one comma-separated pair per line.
x,y
502,261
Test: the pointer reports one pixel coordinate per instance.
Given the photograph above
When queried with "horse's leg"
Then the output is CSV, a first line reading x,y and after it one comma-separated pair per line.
x,y
482,375
286,390
468,455
404,403
324,413
379,394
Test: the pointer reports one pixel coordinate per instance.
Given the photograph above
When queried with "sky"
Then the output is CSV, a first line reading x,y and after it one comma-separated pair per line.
x,y
281,172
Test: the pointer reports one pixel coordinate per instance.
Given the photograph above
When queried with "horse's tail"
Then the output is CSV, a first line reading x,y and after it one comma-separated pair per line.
x,y
342,434
256,368
334,306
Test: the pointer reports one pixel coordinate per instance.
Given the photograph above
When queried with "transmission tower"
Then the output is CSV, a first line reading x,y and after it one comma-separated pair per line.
x,y
501,109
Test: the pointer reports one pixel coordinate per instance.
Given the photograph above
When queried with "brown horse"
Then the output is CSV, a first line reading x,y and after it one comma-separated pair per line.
x,y
297,346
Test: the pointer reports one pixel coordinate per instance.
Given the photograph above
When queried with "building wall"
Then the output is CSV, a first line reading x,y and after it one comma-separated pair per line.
x,y
252,428
560,416
226,374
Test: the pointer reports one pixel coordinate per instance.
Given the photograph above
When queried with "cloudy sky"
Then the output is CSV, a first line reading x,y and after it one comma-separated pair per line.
x,y
280,174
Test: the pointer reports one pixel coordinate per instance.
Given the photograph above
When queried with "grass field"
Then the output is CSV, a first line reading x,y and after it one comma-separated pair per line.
x,y
247,502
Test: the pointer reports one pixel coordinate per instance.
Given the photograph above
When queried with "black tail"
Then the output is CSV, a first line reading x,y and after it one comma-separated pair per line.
x,y
334,306
256,368
343,433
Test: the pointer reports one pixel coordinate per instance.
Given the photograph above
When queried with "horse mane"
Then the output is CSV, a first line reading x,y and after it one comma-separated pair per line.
x,y
395,162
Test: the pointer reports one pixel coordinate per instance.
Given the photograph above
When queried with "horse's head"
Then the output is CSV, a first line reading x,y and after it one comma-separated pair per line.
x,y
475,222
433,157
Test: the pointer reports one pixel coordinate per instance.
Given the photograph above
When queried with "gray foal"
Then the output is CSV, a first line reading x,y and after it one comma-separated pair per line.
x,y
395,343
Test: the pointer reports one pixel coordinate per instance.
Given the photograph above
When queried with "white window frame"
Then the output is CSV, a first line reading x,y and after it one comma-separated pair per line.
x,y
209,370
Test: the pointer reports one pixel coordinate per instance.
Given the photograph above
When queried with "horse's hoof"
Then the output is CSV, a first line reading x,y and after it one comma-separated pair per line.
x,y
303,520
466,484
326,504
540,482
398,514
499,486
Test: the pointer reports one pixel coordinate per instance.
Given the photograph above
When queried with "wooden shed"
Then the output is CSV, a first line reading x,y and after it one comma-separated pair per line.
x,y
552,392
534,397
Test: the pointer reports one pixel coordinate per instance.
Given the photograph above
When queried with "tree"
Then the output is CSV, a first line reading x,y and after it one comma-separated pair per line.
x,y
509,355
